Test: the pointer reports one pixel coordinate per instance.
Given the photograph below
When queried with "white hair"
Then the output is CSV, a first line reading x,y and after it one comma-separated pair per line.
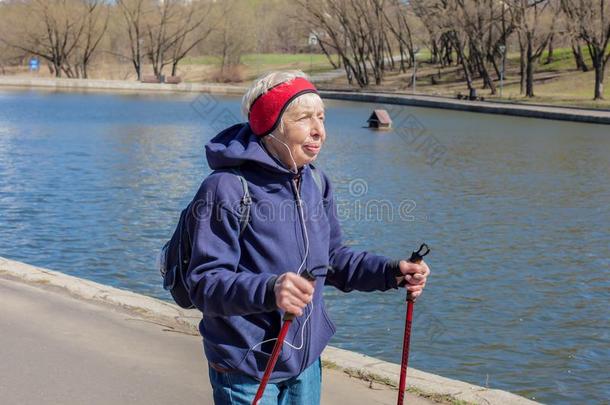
x,y
264,83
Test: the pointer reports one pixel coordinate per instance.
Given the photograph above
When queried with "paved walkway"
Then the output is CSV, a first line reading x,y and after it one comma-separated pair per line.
x,y
57,349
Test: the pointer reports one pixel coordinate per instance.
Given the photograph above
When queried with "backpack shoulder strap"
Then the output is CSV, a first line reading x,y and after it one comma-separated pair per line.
x,y
317,178
245,203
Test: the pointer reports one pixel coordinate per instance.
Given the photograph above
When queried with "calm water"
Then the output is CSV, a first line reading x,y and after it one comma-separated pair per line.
x,y
516,212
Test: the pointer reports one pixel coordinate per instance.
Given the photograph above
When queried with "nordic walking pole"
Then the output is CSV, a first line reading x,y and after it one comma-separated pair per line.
x,y
277,348
416,257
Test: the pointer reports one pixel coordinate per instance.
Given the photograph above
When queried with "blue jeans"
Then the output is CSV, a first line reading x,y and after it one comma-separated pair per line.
x,y
239,389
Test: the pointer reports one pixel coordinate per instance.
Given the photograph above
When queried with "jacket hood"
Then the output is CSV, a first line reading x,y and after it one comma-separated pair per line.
x,y
238,145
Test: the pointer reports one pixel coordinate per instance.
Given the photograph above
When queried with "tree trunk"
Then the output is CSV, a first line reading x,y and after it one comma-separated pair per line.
x,y
350,71
549,57
529,86
403,68
434,56
464,63
492,59
57,68
390,54
328,56
600,67
448,52
522,67
578,59
223,60
487,80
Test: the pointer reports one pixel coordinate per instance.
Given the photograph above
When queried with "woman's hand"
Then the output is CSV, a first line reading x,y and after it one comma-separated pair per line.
x,y
293,293
416,276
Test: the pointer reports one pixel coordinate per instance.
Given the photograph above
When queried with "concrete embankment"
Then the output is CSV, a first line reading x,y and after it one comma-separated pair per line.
x,y
117,85
495,107
77,341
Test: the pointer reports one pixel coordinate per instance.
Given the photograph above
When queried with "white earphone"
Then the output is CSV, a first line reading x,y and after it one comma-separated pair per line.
x,y
300,269
296,170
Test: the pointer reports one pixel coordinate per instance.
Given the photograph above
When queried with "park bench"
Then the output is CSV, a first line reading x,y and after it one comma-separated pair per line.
x,y
150,79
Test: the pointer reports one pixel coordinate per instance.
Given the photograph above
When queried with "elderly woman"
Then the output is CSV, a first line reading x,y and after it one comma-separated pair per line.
x,y
244,276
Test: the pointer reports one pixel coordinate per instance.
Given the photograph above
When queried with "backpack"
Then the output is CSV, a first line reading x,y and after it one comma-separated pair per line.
x,y
175,256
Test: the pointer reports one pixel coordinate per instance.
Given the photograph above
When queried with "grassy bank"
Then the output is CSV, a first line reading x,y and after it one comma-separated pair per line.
x,y
253,65
555,83
203,68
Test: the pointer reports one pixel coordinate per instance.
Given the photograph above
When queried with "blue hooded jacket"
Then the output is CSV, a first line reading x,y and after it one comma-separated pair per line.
x,y
231,277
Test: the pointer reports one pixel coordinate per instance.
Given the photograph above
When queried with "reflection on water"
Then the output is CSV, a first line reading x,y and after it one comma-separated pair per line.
x,y
515,211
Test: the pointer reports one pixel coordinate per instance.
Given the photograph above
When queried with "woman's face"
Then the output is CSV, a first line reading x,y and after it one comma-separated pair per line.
x,y
303,134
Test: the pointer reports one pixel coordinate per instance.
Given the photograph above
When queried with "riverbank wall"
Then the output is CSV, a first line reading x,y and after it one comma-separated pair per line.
x,y
488,107
358,365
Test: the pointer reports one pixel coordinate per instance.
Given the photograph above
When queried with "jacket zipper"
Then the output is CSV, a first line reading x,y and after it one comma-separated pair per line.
x,y
306,332
299,206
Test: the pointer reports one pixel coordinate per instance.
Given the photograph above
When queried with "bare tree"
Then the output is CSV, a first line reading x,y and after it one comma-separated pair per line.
x,y
395,15
369,25
163,20
330,34
352,40
195,28
53,33
234,36
477,19
433,15
444,15
590,19
356,31
535,25
96,24
133,12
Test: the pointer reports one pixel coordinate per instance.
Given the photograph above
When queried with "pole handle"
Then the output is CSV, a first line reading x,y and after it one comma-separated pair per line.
x,y
416,257
307,275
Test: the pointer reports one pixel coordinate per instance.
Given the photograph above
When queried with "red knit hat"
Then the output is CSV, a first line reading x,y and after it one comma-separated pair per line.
x,y
267,109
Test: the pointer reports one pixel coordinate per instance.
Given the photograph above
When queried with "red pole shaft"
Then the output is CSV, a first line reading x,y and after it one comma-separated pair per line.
x,y
416,257
272,360
405,352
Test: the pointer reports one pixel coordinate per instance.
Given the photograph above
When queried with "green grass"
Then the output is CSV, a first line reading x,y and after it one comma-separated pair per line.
x,y
423,55
572,87
255,64
563,59
556,83
266,59
283,59
201,60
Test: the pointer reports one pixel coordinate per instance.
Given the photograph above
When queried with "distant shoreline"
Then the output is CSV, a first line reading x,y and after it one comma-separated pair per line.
x,y
489,107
